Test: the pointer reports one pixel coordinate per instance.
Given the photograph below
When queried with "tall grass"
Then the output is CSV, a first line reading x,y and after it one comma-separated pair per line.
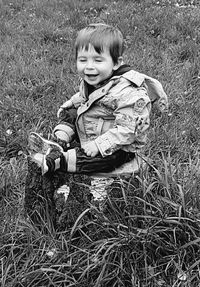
x,y
147,231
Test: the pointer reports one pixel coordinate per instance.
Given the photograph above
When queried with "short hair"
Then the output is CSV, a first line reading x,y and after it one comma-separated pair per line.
x,y
101,36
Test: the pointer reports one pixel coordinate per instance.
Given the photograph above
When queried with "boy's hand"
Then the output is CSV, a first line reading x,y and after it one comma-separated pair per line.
x,y
68,104
91,149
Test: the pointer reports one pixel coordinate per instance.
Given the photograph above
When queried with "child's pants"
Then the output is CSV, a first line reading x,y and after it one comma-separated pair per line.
x,y
79,162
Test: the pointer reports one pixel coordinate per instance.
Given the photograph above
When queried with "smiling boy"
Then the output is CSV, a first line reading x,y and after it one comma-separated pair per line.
x,y
113,108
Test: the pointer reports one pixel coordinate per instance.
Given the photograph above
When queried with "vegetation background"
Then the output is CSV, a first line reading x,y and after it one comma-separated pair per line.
x,y
151,237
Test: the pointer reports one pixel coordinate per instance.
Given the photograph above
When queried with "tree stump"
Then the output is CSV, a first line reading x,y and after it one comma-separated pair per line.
x,y
56,200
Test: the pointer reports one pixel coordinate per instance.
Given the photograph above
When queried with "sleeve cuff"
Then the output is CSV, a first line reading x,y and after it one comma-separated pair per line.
x,y
105,146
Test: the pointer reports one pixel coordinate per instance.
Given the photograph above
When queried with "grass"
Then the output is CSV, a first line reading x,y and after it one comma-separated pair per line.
x,y
147,235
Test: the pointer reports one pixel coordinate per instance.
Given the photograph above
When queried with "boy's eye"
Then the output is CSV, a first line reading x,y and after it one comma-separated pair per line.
x,y
82,60
98,60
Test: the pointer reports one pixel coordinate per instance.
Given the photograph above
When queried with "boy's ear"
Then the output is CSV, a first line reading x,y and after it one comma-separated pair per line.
x,y
118,64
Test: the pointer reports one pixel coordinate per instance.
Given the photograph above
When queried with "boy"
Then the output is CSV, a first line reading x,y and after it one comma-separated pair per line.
x,y
113,108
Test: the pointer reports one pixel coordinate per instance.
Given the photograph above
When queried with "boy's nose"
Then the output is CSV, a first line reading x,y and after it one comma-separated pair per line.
x,y
89,65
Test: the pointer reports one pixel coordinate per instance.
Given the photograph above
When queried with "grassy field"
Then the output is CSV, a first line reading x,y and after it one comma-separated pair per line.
x,y
149,237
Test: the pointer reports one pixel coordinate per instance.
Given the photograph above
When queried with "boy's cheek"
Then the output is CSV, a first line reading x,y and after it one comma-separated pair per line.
x,y
79,67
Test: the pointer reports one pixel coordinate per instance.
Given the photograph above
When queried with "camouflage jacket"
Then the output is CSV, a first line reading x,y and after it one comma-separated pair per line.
x,y
117,115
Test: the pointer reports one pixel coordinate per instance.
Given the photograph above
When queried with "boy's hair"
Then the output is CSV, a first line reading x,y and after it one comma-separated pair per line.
x,y
101,36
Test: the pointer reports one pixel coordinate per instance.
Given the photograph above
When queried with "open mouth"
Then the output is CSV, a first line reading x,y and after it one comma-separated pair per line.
x,y
91,76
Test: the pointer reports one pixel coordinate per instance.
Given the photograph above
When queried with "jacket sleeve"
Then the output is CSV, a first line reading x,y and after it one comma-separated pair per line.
x,y
131,122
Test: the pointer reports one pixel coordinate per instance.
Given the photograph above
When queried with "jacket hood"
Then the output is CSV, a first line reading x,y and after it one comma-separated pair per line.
x,y
153,86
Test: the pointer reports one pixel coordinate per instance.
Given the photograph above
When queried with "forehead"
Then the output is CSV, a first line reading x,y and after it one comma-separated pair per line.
x,y
90,49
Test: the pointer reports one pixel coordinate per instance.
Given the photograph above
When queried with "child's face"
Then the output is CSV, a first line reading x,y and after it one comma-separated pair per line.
x,y
93,67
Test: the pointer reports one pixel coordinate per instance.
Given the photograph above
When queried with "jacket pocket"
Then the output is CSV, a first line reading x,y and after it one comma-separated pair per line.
x,y
104,124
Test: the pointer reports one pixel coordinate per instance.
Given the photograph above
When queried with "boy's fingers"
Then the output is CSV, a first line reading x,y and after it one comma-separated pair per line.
x,y
88,153
59,112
